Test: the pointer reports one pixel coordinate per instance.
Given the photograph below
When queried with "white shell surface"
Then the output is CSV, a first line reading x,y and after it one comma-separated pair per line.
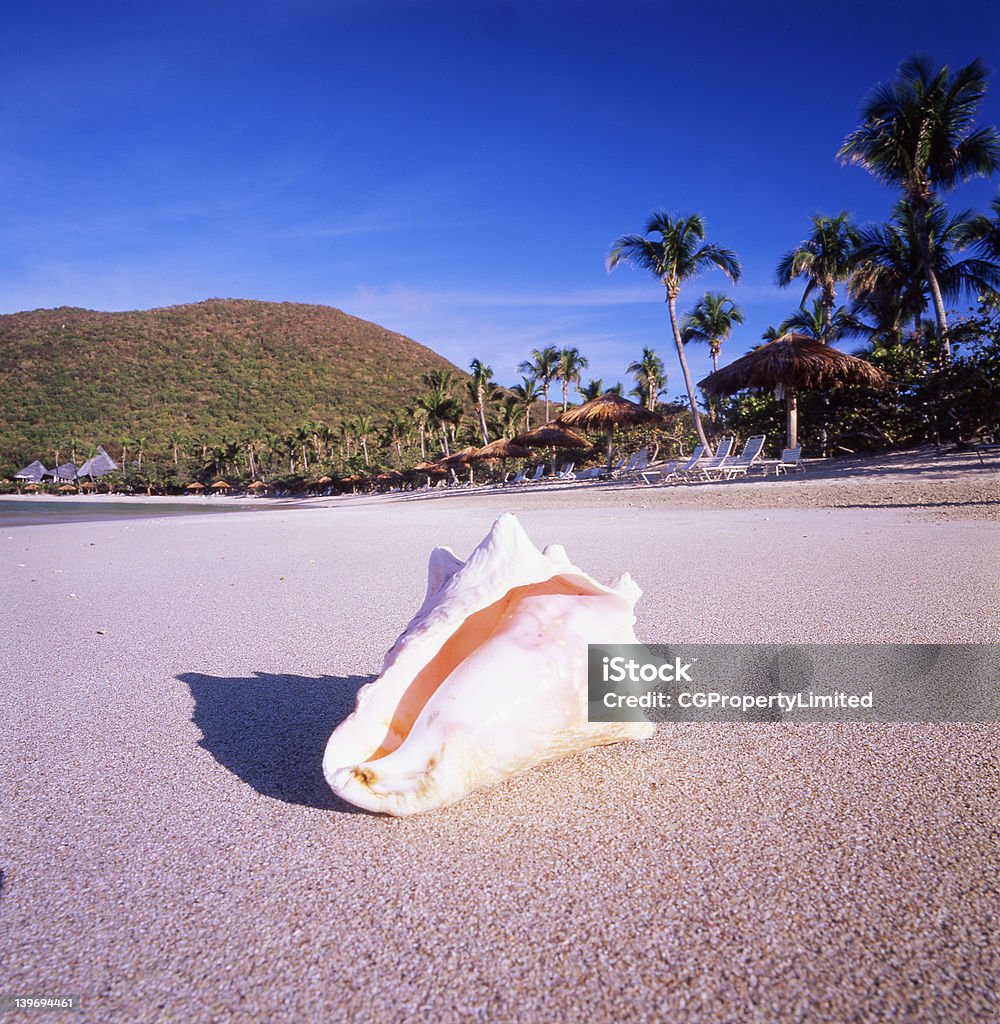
x,y
488,679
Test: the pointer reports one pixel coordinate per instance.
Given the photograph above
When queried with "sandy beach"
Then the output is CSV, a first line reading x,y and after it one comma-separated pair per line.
x,y
172,852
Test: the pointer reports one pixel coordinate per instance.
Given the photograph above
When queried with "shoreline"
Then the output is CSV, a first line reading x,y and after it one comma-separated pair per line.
x,y
923,483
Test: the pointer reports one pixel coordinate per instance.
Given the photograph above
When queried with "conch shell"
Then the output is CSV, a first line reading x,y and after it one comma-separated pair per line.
x,y
488,679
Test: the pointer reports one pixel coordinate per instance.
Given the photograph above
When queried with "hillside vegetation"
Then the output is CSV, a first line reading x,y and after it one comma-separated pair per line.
x,y
224,367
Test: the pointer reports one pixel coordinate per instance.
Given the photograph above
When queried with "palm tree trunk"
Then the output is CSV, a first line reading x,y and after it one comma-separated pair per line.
x,y
482,419
791,418
565,395
829,298
672,306
546,392
923,239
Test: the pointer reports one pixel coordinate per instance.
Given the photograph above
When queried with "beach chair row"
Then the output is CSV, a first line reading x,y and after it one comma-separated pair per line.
x,y
723,465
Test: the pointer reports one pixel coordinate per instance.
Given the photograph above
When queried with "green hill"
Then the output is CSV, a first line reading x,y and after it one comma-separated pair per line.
x,y
214,369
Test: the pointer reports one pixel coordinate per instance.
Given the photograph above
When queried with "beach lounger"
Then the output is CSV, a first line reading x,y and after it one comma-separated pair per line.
x,y
588,474
638,462
750,455
791,459
717,462
565,471
688,466
539,472
662,472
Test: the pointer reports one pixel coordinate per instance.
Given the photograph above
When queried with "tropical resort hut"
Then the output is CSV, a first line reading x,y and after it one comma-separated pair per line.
x,y
33,473
789,364
606,412
67,472
551,435
389,477
99,464
430,469
195,487
465,457
503,448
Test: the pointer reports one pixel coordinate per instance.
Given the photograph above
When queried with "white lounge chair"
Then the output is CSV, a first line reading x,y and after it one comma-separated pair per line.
x,y
565,471
638,462
661,472
750,455
717,462
690,465
588,474
791,459
539,473
518,479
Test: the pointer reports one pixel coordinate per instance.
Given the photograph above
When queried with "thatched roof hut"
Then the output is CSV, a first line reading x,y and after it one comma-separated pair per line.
x,y
551,435
606,412
502,448
792,363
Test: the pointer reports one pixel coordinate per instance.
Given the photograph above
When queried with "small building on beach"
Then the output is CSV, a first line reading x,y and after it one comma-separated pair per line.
x,y
33,473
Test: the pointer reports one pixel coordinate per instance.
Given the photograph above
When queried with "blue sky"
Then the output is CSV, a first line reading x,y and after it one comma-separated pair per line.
x,y
454,171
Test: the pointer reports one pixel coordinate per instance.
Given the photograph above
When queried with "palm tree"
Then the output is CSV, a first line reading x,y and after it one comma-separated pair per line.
x,y
510,411
176,441
919,134
983,232
650,377
140,444
823,259
363,427
419,416
711,321
441,409
398,429
542,367
820,324
527,394
303,436
480,382
592,389
889,282
680,254
568,371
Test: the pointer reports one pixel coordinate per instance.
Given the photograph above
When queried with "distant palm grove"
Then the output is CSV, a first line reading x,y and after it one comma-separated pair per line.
x,y
918,295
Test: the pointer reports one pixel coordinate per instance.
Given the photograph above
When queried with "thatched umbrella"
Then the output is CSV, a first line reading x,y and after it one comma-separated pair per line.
x,y
195,487
502,448
221,485
32,489
463,458
606,412
257,485
789,364
551,435
88,485
67,489
390,476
